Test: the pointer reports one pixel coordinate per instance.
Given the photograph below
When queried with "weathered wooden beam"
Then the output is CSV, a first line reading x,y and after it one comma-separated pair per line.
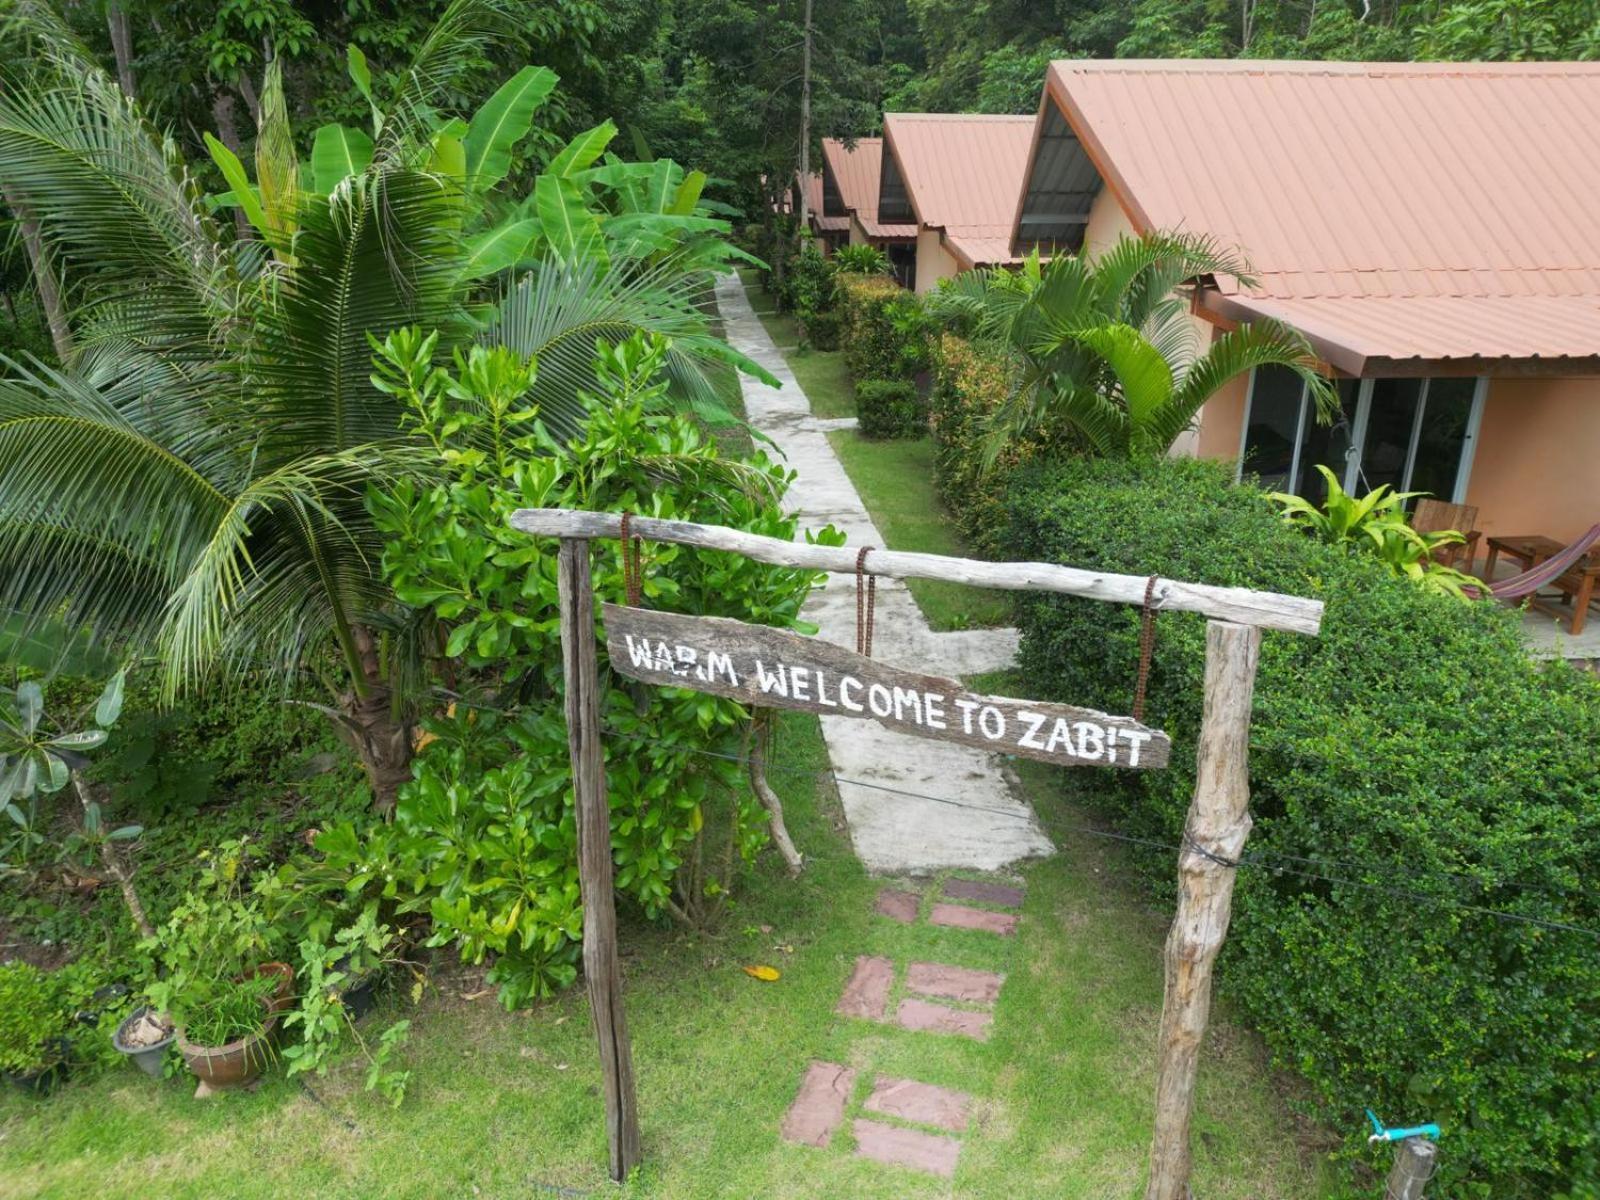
x,y
1414,1162
601,970
774,668
1267,610
1214,838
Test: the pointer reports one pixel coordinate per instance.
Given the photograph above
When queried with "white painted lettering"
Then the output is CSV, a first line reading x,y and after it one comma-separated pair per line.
x,y
1091,740
845,684
1030,735
638,652
800,682
822,692
905,698
933,710
880,700
1136,739
992,722
718,663
775,681
1060,737
967,708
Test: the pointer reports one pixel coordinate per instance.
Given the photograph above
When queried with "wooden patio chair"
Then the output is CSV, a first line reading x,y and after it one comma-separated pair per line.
x,y
1435,516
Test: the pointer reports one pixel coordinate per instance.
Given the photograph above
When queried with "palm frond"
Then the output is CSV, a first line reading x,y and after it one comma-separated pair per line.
x,y
1261,343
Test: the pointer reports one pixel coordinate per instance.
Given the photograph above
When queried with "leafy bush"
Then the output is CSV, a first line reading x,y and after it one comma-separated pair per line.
x,y
1376,524
1410,769
886,334
808,282
484,836
970,382
861,260
889,408
820,331
32,1019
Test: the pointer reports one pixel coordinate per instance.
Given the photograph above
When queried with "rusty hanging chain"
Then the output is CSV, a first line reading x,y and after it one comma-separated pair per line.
x,y
1147,645
632,562
866,602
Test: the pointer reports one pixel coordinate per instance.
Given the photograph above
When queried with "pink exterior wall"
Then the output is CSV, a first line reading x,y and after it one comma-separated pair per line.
x,y
934,262
1222,420
858,235
1538,457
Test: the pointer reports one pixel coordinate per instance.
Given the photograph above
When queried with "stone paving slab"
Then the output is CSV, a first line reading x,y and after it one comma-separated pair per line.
x,y
919,1015
912,1148
866,994
891,832
922,1103
959,916
818,1110
983,892
898,905
954,983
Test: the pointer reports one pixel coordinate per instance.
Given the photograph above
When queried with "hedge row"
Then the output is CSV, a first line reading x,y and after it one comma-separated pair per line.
x,y
884,333
1411,769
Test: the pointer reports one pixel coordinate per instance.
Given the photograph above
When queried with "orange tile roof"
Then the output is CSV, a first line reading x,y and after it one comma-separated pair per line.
x,y
856,172
1393,211
963,173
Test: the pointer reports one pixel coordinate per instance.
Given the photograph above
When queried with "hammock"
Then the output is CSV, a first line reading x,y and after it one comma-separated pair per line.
x,y
1526,584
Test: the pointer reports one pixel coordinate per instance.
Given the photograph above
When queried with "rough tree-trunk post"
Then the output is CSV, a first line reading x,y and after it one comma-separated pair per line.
x,y
1414,1161
601,970
1214,837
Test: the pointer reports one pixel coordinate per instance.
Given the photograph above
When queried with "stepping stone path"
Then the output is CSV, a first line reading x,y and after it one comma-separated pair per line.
x,y
924,1122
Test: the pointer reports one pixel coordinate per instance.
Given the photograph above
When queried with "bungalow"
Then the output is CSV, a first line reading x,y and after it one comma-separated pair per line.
x,y
1431,228
850,175
831,231
957,178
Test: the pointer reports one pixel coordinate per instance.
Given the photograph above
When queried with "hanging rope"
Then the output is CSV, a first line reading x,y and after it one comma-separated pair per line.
x,y
1147,645
632,562
866,601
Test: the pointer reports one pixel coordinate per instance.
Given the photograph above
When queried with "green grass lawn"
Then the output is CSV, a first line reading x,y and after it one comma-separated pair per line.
x,y
508,1105
895,479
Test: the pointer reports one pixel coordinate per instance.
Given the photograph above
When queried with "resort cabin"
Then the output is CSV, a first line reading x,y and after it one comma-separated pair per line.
x,y
850,175
1432,228
831,232
955,178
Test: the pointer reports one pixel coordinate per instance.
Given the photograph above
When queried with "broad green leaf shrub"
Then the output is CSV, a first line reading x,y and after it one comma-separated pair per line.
x,y
970,381
808,282
821,330
1413,753
33,1019
484,837
889,408
861,260
885,333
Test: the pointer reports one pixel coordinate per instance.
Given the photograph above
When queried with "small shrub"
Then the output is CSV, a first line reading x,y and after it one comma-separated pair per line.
x,y
861,260
821,330
1410,768
808,282
889,408
885,334
32,1019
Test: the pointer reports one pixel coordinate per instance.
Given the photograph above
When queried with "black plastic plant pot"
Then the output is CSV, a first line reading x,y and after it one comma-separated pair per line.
x,y
41,1081
146,1058
359,993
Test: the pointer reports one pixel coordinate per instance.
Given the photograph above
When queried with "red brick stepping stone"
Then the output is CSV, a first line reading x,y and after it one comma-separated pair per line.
x,y
954,983
819,1108
959,916
898,905
906,1147
938,1018
867,992
920,1102
983,893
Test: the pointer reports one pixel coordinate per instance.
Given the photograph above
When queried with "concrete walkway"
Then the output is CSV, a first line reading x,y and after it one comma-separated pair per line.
x,y
890,832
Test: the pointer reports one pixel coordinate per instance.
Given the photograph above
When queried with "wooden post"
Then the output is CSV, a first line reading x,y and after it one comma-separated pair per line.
x,y
1214,836
1414,1161
601,970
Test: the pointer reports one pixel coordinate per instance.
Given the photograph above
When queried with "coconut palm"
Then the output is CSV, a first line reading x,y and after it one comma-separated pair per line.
x,y
191,479
1107,347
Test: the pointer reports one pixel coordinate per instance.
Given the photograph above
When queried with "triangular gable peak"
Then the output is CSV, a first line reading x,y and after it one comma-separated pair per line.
x,y
894,201
1061,187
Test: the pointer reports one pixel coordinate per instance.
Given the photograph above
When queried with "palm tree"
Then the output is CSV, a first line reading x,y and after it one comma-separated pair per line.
x,y
190,481
1107,347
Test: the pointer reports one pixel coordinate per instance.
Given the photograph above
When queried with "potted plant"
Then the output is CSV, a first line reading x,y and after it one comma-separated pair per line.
x,y
33,1028
225,1028
144,1036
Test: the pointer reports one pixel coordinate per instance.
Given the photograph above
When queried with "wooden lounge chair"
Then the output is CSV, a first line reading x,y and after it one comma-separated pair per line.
x,y
1435,516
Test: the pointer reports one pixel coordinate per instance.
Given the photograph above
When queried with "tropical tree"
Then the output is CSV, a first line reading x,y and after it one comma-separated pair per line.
x,y
191,478
1107,347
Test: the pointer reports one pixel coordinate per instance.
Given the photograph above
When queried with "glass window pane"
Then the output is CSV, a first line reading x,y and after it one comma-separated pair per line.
x,y
1444,432
1388,439
1274,417
1327,444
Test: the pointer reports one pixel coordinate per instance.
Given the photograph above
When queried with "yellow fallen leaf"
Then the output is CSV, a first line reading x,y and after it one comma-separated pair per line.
x,y
764,973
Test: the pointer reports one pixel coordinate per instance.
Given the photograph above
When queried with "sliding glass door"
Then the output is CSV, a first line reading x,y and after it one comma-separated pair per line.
x,y
1416,435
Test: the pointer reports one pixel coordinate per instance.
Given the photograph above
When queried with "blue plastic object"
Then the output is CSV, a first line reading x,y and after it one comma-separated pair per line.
x,y
1380,1134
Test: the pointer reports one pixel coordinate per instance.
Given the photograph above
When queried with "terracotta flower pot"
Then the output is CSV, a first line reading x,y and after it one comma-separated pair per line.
x,y
233,1065
283,997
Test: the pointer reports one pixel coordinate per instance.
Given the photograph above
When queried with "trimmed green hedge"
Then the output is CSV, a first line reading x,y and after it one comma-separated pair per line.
x,y
885,332
889,408
1414,758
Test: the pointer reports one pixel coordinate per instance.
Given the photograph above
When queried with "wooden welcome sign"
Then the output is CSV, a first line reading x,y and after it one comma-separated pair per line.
x,y
777,669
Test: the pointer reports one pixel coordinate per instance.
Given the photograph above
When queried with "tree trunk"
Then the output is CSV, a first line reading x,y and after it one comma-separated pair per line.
x,y
115,866
44,276
761,728
121,45
222,105
381,740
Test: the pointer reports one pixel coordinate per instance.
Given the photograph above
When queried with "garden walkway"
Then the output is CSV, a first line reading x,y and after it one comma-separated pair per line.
x,y
891,832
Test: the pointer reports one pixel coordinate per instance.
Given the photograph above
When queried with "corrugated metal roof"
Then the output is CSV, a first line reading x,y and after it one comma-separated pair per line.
x,y
856,172
963,173
820,222
1359,190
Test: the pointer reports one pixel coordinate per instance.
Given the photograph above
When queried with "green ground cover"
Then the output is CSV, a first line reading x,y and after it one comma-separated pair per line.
x,y
895,479
507,1105
821,374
